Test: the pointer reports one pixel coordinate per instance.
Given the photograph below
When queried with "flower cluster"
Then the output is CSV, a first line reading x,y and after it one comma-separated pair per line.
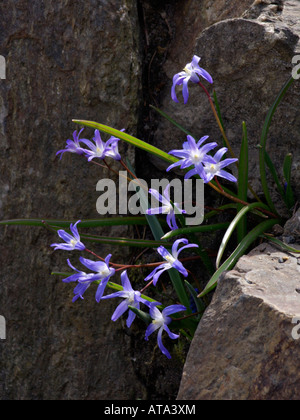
x,y
204,165
196,159
102,273
99,149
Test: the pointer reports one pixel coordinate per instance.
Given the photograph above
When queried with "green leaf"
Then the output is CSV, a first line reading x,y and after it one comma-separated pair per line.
x,y
243,183
158,232
238,253
171,120
144,316
196,229
87,223
263,143
129,139
139,243
274,174
281,244
242,213
152,220
198,301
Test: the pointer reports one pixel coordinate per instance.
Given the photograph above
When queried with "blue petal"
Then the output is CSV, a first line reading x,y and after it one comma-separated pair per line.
x,y
160,344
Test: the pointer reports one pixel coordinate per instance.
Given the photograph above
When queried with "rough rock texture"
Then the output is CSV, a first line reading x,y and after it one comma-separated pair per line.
x,y
70,59
249,55
244,347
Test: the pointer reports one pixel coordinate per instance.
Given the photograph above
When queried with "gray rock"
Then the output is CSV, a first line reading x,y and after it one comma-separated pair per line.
x,y
65,60
292,227
246,346
250,59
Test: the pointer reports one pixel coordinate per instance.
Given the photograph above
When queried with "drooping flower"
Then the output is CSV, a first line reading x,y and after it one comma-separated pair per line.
x,y
132,298
193,154
168,208
160,322
100,149
215,168
172,260
71,242
73,146
103,273
191,72
84,281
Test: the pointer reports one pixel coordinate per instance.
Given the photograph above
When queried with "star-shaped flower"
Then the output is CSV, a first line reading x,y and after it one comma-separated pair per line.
x,y
215,168
193,154
131,298
103,273
73,146
100,149
71,242
172,260
160,322
191,72
168,208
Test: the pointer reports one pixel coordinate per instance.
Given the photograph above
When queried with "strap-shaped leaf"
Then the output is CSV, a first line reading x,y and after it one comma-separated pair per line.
x,y
196,229
243,183
241,214
129,139
263,143
87,223
238,253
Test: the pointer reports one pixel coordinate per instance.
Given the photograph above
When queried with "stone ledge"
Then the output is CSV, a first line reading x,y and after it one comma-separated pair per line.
x,y
243,348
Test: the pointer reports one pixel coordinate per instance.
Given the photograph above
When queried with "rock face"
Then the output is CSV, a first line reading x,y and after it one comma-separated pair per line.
x,y
84,59
247,346
65,60
248,51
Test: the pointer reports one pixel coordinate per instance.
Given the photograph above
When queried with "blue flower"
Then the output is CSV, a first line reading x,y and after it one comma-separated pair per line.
x,y
172,260
132,298
72,242
215,168
100,149
73,146
167,208
160,322
193,154
84,281
103,273
191,72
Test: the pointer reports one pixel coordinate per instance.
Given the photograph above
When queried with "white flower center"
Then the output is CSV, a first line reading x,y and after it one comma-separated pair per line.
x,y
189,70
130,298
196,157
159,320
170,259
99,151
73,242
105,272
213,168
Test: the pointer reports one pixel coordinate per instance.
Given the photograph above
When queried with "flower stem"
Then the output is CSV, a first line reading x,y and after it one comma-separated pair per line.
x,y
219,185
218,121
237,200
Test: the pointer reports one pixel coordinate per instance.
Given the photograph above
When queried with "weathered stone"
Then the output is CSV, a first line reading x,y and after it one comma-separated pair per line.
x,y
250,60
65,60
292,227
246,344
